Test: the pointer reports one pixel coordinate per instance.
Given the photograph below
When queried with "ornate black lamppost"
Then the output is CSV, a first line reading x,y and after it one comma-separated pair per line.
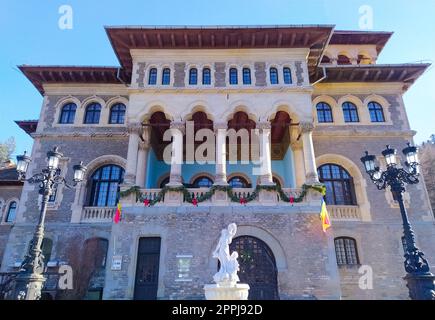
x,y
30,278
420,281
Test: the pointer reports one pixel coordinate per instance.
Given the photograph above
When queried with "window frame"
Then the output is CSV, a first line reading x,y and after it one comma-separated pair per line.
x,y
350,111
275,72
95,186
233,74
119,112
73,112
289,73
204,70
202,177
325,108
8,212
347,251
346,185
247,184
378,112
94,112
246,76
152,76
166,76
191,75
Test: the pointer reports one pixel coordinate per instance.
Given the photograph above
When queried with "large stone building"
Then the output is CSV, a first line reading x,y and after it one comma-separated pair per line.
x,y
317,92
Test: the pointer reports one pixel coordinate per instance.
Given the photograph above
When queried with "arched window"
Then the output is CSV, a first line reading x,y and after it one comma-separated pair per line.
x,y
117,114
193,76
166,76
238,182
152,78
206,76
376,112
324,112
326,59
246,76
346,251
287,75
12,212
339,185
164,182
68,113
92,115
350,112
233,76
202,182
273,75
342,59
104,186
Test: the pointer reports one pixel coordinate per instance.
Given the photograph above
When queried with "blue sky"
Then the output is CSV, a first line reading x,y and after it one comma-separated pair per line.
x,y
30,34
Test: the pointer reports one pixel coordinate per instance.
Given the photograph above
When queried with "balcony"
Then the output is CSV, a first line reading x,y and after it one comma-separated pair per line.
x,y
345,213
98,214
218,198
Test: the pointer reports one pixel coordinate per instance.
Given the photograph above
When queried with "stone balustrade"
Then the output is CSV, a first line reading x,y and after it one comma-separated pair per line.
x,y
98,214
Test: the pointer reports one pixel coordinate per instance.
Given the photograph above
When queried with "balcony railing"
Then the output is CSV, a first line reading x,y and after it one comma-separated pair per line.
x,y
98,214
348,213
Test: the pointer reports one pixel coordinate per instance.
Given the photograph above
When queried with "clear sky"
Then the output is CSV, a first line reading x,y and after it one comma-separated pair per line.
x,y
29,34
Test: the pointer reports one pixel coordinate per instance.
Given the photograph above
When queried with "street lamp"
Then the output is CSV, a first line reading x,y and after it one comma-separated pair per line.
x,y
420,281
30,278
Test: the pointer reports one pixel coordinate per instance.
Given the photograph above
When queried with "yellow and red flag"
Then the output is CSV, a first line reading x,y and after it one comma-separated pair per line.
x,y
117,216
324,216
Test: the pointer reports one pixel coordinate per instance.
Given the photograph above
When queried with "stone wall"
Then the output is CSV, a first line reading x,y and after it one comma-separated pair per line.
x,y
304,254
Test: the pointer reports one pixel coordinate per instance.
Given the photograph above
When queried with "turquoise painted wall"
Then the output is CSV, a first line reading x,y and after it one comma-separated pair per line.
x,y
283,168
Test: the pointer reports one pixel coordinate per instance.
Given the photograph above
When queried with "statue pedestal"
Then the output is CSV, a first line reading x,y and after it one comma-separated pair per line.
x,y
239,291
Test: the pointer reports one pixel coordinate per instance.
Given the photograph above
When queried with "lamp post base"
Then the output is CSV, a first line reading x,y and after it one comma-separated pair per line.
x,y
28,286
421,286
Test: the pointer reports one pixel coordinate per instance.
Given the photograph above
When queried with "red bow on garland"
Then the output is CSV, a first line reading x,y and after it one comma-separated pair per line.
x,y
292,200
243,201
195,202
146,202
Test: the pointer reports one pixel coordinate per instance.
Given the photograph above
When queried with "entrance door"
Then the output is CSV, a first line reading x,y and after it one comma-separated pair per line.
x,y
147,270
257,267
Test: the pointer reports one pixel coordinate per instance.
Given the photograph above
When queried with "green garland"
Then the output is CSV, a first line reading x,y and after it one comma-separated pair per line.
x,y
228,189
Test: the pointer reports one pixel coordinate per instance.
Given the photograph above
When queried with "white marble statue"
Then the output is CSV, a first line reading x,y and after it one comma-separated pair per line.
x,y
229,266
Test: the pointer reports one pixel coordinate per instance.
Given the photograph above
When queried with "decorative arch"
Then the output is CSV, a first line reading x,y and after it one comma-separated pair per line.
x,y
362,113
359,181
269,239
104,160
114,100
163,177
364,58
286,106
239,174
68,99
342,55
197,106
64,101
239,106
384,104
337,113
153,107
87,101
201,174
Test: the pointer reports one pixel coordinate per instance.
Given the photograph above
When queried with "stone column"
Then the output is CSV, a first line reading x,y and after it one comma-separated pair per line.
x,y
306,130
220,129
142,158
135,130
299,165
177,132
265,153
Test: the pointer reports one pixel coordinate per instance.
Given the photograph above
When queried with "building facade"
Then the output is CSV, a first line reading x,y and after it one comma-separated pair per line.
x,y
317,100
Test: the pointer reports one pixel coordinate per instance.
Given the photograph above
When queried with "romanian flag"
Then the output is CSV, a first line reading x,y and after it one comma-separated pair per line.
x,y
117,216
324,216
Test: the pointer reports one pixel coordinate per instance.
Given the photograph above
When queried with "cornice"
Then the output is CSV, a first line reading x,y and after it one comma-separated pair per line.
x,y
366,133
